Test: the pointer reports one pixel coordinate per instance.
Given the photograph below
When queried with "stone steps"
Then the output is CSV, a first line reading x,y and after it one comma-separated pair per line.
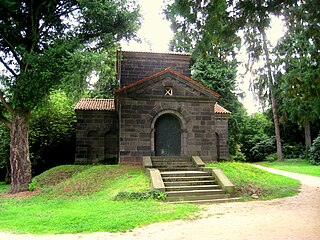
x,y
183,182
190,183
188,187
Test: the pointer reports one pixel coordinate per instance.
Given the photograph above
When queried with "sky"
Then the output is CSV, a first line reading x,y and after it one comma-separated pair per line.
x,y
155,34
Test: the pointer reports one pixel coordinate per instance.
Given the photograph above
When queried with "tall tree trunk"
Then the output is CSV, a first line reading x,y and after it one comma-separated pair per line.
x,y
19,152
272,95
307,135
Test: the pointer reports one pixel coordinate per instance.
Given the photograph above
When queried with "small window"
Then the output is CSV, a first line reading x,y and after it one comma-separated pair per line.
x,y
168,91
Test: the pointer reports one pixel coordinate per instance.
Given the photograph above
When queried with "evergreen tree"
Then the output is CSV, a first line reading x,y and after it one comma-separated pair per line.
x,y
41,42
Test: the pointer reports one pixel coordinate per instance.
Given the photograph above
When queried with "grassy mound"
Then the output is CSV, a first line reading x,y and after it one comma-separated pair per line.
x,y
76,199
75,180
251,180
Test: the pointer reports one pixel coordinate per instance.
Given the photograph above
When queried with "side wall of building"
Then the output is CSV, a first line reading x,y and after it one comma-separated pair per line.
x,y
97,137
222,136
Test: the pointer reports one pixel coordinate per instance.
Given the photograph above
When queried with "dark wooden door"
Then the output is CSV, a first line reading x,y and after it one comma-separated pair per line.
x,y
167,136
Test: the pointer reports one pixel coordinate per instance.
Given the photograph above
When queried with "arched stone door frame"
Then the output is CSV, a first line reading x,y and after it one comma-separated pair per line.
x,y
183,125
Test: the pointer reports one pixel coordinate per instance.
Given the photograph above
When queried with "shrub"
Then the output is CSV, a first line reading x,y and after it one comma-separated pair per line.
x,y
32,186
314,152
239,157
263,146
272,157
152,194
293,150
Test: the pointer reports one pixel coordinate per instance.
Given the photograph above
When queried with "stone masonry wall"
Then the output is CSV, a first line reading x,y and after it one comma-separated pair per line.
x,y
97,137
137,130
222,131
135,66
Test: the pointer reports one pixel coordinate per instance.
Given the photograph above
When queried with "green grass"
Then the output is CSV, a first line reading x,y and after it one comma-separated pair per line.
x,y
4,187
78,199
250,180
296,166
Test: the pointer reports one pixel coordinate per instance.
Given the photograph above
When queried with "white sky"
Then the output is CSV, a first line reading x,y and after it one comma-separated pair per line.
x,y
155,34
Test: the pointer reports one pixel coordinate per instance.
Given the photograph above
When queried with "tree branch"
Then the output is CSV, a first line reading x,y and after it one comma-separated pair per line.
x,y
5,104
8,68
15,55
5,121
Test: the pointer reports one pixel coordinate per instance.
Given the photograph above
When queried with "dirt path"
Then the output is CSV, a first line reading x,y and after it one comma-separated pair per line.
x,y
294,218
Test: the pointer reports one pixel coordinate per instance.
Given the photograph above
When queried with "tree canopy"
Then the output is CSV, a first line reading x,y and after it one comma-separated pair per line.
x,y
43,42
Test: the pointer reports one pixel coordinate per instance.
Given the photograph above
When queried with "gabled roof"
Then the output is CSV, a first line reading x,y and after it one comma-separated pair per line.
x,y
89,104
170,70
95,104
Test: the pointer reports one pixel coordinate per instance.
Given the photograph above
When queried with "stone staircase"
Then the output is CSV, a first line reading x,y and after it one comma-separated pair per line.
x,y
184,181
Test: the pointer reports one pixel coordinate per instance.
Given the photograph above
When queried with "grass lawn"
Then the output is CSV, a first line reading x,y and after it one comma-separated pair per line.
x,y
4,187
80,199
295,165
251,180
77,199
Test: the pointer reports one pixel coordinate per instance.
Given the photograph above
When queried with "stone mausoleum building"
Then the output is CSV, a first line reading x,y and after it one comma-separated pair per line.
x,y
157,111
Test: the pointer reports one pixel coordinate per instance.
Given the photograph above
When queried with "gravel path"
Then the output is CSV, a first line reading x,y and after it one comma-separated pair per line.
x,y
294,218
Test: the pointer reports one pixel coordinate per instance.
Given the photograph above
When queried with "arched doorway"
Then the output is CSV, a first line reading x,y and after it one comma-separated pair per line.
x,y
167,136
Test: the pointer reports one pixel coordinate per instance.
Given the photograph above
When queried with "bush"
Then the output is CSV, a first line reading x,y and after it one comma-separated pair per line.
x,y
239,157
272,157
152,194
263,146
293,151
314,152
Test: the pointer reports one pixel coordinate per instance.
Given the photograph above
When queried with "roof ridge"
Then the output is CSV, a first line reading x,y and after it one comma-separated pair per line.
x,y
162,72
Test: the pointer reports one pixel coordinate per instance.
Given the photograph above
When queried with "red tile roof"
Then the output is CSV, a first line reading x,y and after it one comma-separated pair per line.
x,y
108,105
162,72
95,104
220,110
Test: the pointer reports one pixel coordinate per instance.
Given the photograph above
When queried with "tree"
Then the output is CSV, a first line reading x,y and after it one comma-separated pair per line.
x,y
253,18
220,76
52,132
202,27
39,41
206,29
298,61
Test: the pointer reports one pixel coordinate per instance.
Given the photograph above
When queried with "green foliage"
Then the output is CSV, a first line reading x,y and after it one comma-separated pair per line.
x,y
220,76
254,143
263,146
4,153
152,194
52,132
204,28
314,152
293,150
4,188
297,63
105,70
272,157
239,157
32,186
45,43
